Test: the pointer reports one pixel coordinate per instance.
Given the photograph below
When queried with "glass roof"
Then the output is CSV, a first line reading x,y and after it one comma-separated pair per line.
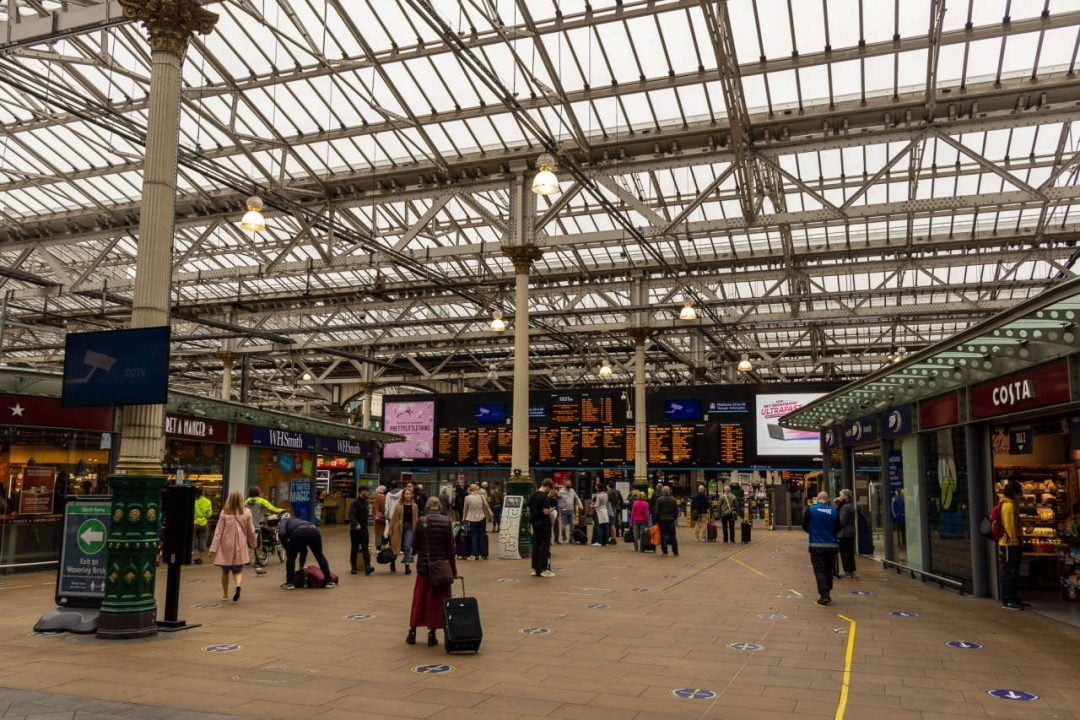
x,y
828,186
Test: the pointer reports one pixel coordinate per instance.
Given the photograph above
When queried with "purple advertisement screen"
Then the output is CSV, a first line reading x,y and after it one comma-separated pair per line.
x,y
416,421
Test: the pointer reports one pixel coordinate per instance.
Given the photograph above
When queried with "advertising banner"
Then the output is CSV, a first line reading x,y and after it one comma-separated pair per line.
x,y
775,440
301,492
415,420
38,485
80,581
509,527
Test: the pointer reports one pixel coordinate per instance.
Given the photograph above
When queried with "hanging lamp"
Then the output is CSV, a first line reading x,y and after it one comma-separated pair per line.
x,y
688,312
498,325
605,370
253,220
745,365
545,182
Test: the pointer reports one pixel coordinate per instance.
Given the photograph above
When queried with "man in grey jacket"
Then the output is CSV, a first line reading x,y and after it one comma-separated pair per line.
x,y
568,503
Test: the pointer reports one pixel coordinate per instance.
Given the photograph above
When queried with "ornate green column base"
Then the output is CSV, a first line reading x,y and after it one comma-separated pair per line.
x,y
129,609
524,488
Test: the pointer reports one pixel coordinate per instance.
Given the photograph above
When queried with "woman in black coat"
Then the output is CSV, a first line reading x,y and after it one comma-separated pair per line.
x,y
847,533
434,542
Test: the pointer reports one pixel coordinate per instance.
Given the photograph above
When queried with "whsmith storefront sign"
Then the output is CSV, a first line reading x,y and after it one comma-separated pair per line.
x,y
269,437
1035,388
341,446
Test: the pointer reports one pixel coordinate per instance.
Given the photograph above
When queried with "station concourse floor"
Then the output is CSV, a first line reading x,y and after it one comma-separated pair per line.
x,y
662,624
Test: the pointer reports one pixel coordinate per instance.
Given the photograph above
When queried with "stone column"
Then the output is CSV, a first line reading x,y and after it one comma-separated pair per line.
x,y
641,427
129,609
369,391
228,360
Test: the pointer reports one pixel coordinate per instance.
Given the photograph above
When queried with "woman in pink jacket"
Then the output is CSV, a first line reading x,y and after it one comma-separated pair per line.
x,y
235,533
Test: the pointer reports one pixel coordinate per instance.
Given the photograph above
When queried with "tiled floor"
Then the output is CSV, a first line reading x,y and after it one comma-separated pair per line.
x,y
300,657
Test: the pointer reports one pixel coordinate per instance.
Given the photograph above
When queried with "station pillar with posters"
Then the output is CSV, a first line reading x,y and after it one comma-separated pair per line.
x,y
129,609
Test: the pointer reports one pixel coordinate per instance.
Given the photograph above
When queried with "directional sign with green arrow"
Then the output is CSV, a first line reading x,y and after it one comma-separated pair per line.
x,y
81,580
92,536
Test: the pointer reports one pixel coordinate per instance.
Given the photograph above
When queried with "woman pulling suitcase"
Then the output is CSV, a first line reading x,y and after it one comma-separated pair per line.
x,y
436,569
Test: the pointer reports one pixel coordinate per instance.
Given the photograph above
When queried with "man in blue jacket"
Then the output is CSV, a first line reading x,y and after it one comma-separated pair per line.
x,y
822,521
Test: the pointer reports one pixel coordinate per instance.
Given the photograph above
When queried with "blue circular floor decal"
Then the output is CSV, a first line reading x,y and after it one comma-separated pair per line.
x,y
359,616
535,631
432,669
861,593
639,589
904,613
772,616
693,694
746,647
597,606
964,645
507,580
1015,695
207,606
228,647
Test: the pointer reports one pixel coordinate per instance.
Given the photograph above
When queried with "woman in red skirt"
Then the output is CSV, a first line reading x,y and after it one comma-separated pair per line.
x,y
434,542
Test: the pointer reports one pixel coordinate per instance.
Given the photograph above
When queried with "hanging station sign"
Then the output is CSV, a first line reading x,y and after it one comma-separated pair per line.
x,y
269,437
1035,388
343,446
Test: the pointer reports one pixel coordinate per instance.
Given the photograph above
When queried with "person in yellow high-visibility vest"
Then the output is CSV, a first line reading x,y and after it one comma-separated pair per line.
x,y
203,510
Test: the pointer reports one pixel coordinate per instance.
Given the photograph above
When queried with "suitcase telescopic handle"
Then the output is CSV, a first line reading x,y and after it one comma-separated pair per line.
x,y
462,585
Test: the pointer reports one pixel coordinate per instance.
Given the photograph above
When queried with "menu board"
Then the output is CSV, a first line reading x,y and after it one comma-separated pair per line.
x,y
659,445
565,410
569,445
592,446
504,446
597,410
682,444
547,449
447,446
487,440
466,449
732,444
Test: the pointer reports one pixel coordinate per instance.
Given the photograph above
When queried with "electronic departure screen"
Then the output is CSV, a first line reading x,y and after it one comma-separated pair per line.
x,y
487,440
592,446
547,451
732,444
466,449
504,446
569,445
614,445
565,409
659,445
447,446
597,410
631,443
682,444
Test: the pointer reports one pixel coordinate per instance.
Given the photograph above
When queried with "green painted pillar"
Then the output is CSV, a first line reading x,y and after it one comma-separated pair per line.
x,y
129,609
524,488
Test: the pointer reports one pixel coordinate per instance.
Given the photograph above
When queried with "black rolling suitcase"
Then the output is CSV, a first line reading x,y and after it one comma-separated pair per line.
x,y
580,535
747,526
462,630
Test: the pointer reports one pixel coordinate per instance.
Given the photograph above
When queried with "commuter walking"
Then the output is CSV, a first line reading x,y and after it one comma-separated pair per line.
x,y
378,515
616,505
822,522
358,533
495,502
542,508
602,516
700,511
846,535
233,536
568,504
297,537
476,514
436,564
399,532
203,510
639,517
666,511
726,507
1009,546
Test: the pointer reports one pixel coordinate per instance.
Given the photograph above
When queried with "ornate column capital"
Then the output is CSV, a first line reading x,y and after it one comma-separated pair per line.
x,y
639,334
170,23
523,256
228,359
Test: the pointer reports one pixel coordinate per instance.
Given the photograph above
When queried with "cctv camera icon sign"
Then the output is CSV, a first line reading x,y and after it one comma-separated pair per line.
x,y
96,361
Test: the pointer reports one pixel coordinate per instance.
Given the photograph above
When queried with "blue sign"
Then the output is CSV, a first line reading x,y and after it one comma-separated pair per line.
x,y
489,412
285,439
300,492
286,463
688,409
832,437
432,669
746,647
1015,695
116,367
80,581
964,645
863,430
694,694
342,446
718,407
896,422
904,613
538,411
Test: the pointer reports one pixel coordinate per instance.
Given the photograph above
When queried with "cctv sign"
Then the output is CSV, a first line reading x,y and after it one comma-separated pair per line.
x,y
117,367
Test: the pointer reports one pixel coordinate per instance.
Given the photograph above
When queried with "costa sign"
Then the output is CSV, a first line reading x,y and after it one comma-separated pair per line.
x,y
1034,388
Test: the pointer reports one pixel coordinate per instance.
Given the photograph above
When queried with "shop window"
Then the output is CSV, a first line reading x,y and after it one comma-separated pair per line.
x,y
947,504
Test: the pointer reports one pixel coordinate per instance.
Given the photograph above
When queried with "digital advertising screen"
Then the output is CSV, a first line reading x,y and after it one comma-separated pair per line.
x,y
489,412
415,419
686,409
775,440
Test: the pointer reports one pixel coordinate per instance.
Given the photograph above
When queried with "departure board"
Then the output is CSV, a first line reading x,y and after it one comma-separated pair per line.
x,y
487,439
597,410
659,445
732,443
565,410
569,445
504,446
614,451
447,446
682,444
466,449
592,446
631,443
547,452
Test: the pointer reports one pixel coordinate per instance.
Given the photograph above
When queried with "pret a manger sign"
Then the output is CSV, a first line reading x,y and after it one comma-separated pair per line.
x,y
1038,387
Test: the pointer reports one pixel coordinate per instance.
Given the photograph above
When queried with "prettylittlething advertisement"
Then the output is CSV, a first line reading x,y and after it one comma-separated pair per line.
x,y
416,421
775,440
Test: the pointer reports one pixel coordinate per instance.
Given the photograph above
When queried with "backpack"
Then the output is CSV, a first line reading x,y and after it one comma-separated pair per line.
x,y
991,526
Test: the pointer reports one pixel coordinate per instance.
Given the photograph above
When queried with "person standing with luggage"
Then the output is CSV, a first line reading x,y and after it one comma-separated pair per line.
x,y
726,506
846,535
666,512
700,509
495,502
378,515
616,505
568,504
601,514
233,536
399,531
475,517
436,563
358,532
639,517
297,537
542,508
822,522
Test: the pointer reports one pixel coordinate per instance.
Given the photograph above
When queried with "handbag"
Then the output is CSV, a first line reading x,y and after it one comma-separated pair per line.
x,y
386,555
439,572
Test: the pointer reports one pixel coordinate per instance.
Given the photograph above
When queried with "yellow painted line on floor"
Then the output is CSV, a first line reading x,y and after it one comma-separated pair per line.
x,y
796,592
841,707
751,568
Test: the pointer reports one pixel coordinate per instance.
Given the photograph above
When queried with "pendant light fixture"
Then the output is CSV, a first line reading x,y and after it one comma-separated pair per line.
x,y
745,365
688,313
493,372
498,325
307,376
545,182
605,370
253,220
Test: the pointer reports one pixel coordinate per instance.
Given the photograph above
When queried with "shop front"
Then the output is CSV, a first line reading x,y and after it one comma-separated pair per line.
x,y
197,453
281,463
342,466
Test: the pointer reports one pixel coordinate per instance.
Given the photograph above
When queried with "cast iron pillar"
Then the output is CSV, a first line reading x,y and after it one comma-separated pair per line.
x,y
641,428
129,609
